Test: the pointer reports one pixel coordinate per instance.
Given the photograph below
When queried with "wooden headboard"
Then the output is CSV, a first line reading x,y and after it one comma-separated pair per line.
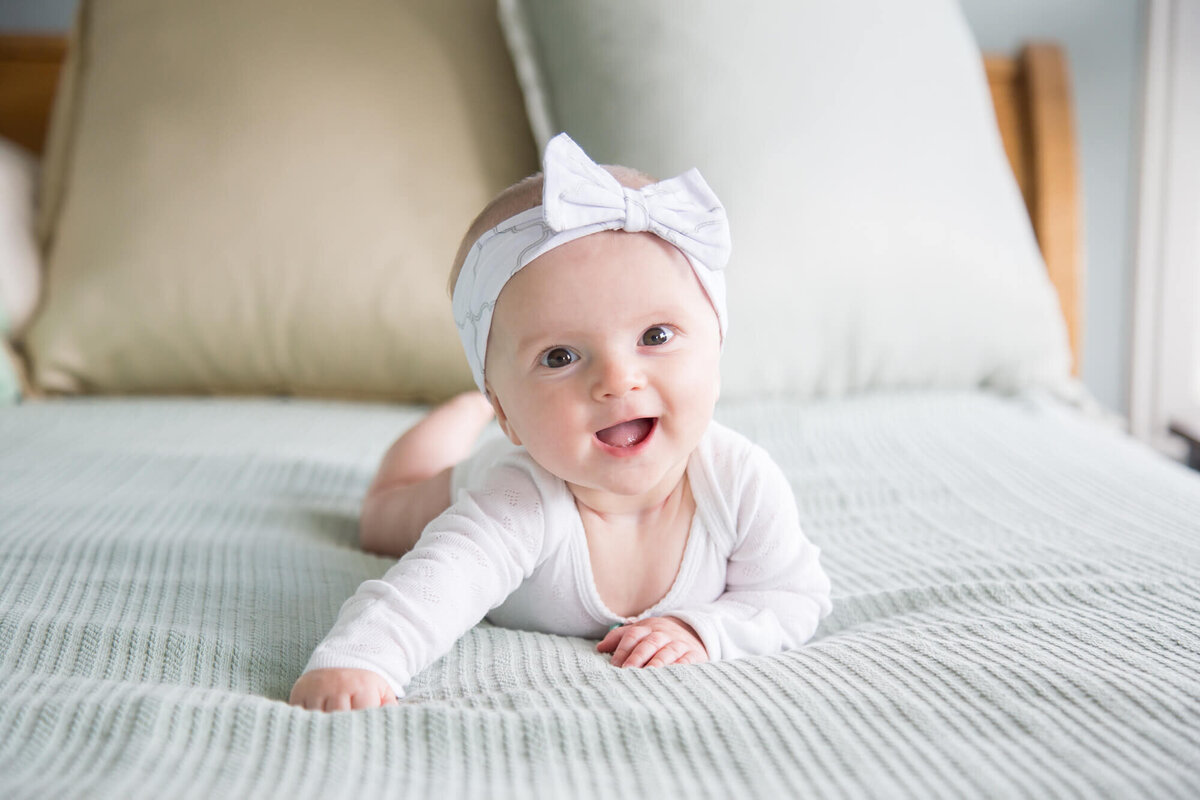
x,y
1032,96
29,67
1031,92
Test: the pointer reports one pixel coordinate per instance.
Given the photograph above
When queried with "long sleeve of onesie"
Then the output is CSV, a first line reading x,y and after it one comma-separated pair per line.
x,y
467,561
775,590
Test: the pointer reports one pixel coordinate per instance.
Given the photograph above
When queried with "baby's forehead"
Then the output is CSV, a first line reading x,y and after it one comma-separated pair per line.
x,y
605,277
640,260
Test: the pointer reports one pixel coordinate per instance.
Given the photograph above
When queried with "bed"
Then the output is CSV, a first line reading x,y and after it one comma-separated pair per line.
x,y
1016,583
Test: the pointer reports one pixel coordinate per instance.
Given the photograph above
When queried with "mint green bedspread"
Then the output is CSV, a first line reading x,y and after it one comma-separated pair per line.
x,y
1016,614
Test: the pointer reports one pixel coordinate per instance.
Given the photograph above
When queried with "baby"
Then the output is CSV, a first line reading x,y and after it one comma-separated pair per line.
x,y
591,305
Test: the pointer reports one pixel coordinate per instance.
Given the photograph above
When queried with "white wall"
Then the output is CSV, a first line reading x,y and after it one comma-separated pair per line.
x,y
1104,41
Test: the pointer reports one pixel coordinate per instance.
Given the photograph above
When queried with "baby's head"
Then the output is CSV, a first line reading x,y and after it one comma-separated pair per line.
x,y
590,302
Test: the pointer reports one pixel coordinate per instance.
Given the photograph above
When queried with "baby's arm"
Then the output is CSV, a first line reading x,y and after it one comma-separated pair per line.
x,y
468,560
775,590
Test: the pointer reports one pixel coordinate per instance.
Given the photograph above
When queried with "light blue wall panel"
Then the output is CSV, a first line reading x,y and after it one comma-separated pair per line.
x,y
1104,43
36,16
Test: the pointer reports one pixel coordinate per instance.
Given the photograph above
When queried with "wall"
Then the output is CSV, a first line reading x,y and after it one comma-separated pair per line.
x,y
40,16
1103,39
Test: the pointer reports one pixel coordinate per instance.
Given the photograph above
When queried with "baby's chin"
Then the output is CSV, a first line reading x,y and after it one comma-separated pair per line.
x,y
628,490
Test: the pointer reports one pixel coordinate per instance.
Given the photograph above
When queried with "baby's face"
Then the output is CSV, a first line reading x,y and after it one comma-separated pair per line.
x,y
603,362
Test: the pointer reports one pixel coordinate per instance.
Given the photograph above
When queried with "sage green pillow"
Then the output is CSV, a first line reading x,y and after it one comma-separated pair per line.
x,y
879,237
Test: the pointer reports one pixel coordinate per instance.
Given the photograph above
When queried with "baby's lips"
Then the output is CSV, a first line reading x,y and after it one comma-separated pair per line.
x,y
626,434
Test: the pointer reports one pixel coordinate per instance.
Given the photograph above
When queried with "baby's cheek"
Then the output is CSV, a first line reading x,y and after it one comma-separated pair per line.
x,y
700,379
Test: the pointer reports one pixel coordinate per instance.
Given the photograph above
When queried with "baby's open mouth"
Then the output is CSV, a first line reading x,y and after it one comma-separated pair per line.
x,y
627,434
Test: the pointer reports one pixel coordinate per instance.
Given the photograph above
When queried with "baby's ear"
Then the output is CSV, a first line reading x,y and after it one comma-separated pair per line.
x,y
501,417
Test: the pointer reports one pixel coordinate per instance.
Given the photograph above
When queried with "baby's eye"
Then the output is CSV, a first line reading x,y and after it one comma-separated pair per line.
x,y
657,335
558,357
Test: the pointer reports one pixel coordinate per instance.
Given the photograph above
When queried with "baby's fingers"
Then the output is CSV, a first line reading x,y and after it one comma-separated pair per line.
x,y
309,700
645,649
670,653
337,702
367,698
692,656
610,640
632,638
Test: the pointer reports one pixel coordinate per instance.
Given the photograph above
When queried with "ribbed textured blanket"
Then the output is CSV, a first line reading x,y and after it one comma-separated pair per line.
x,y
1016,614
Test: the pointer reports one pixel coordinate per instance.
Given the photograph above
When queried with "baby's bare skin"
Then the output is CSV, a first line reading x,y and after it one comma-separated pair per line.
x,y
635,557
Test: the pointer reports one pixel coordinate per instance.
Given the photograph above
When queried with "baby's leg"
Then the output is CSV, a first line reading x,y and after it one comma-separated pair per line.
x,y
413,483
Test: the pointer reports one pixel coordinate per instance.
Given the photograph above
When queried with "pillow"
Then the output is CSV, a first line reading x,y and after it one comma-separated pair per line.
x,y
267,196
880,239
20,268
12,375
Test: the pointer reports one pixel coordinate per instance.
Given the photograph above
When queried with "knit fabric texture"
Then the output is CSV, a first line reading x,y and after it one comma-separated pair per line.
x,y
1016,613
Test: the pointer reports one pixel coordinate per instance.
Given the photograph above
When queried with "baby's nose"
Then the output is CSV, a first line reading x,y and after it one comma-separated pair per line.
x,y
616,376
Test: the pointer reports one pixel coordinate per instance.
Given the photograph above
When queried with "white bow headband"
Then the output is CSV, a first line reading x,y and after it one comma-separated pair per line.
x,y
580,198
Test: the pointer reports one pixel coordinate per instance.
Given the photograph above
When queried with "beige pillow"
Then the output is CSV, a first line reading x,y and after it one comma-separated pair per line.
x,y
266,196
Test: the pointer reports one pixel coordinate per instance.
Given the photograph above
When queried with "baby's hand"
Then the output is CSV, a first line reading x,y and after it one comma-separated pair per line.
x,y
341,690
654,642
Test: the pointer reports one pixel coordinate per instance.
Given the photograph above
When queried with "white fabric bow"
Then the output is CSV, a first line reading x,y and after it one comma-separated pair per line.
x,y
580,198
683,210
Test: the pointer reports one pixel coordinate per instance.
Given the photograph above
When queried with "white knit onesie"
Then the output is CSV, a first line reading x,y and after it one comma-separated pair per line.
x,y
512,548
